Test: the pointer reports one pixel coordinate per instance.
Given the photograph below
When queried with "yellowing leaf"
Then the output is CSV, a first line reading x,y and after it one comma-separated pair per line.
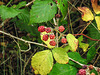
x,y
72,41
60,55
86,14
42,62
95,6
84,46
46,42
97,18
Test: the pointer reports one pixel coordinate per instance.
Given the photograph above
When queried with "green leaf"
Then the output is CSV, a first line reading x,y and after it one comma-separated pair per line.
x,y
24,15
21,4
63,69
8,12
82,45
74,64
77,57
72,41
60,55
22,23
42,11
80,39
91,53
63,6
93,33
42,62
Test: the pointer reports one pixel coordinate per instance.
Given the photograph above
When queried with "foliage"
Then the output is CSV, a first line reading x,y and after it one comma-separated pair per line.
x,y
10,12
82,45
72,41
22,20
42,11
42,62
60,55
63,6
63,69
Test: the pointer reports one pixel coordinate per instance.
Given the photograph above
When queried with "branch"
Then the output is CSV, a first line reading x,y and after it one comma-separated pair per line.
x,y
30,3
83,65
87,37
76,61
29,42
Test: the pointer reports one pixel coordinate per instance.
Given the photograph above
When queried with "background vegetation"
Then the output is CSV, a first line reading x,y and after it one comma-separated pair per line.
x,y
21,18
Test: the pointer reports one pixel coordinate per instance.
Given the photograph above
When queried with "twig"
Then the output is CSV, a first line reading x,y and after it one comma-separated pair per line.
x,y
54,21
30,3
56,28
97,59
5,60
30,42
28,61
86,27
2,24
21,49
95,27
83,65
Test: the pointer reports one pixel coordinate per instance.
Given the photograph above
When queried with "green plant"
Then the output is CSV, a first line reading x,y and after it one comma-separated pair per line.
x,y
60,45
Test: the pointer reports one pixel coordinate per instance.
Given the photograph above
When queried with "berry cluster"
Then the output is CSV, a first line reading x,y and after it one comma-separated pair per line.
x,y
50,34
85,69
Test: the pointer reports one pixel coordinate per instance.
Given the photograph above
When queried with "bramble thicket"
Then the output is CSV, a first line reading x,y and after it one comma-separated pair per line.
x,y
50,37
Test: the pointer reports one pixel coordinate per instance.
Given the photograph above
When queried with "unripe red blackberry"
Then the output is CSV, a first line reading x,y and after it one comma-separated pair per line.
x,y
61,28
52,43
82,72
48,30
64,40
92,73
41,28
84,67
52,36
45,37
90,67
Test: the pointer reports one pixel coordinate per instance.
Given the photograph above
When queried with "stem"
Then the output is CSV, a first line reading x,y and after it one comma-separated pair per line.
x,y
56,28
76,61
87,37
30,42
86,27
30,3
9,2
